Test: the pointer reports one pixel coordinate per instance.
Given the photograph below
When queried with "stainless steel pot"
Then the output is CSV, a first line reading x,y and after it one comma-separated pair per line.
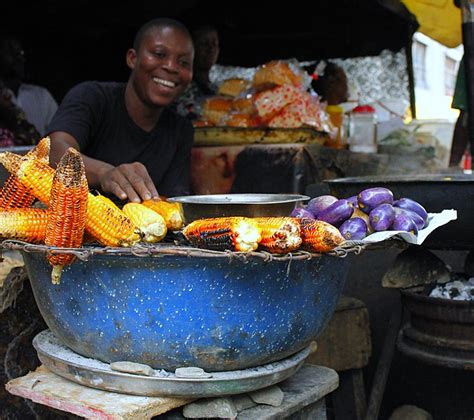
x,y
249,205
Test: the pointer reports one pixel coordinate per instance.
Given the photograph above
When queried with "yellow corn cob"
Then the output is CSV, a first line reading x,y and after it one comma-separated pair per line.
x,y
232,233
67,210
171,212
319,236
14,194
107,224
279,234
150,223
27,225
107,201
34,174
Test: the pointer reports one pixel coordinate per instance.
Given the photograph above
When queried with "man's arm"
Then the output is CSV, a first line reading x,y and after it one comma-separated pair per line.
x,y
127,181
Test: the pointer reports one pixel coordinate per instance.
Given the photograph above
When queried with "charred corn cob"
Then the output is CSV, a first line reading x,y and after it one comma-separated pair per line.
x,y
34,174
319,236
171,212
232,233
108,224
150,223
279,234
27,225
14,194
67,210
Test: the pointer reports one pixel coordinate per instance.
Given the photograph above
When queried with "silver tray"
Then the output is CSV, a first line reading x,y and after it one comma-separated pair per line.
x,y
248,205
96,374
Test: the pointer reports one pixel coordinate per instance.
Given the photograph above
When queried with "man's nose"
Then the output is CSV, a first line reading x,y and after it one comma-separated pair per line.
x,y
171,64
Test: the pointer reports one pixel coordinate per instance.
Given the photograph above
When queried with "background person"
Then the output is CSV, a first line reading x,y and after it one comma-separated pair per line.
x,y
206,45
332,86
35,101
133,145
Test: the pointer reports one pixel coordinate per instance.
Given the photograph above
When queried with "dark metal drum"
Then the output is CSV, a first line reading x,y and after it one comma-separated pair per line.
x,y
218,312
439,332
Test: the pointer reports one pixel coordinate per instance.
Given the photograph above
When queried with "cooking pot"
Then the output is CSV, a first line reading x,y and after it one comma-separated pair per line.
x,y
215,311
435,192
248,205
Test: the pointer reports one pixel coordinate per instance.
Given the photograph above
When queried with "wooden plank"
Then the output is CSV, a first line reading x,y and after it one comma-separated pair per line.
x,y
345,343
47,388
232,136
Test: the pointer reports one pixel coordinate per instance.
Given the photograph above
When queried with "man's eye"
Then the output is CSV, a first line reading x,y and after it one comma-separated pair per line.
x,y
160,54
185,63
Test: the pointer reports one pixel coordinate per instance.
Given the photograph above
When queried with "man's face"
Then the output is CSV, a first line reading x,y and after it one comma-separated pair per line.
x,y
162,67
12,60
206,44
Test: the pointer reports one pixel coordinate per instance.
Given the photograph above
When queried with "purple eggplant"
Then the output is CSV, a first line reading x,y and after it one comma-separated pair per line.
x,y
354,229
363,216
301,213
353,200
404,222
337,212
318,204
412,205
373,197
419,222
382,217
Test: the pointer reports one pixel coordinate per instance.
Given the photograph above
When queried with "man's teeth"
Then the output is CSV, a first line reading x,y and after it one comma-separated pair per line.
x,y
164,82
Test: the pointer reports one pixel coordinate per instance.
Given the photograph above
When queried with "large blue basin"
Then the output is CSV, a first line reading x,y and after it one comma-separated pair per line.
x,y
171,311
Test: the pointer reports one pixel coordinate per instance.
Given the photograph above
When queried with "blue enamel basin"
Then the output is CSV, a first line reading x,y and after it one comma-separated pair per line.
x,y
171,311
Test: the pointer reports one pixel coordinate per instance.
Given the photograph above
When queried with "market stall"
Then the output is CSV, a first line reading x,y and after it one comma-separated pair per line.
x,y
109,317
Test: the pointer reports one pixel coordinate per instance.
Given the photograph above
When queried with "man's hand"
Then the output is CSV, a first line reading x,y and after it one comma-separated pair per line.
x,y
129,180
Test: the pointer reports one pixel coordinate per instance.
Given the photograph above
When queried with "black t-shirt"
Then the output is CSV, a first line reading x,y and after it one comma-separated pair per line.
x,y
94,114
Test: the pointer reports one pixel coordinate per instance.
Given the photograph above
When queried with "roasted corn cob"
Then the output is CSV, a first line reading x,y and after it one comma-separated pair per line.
x,y
13,193
279,234
150,223
231,233
108,224
319,236
27,225
67,210
171,212
35,174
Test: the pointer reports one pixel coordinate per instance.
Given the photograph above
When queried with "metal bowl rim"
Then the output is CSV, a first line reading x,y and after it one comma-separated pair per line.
x,y
403,178
246,199
415,295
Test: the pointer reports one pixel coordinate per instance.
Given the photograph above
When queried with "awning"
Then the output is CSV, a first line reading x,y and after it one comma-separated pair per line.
x,y
438,19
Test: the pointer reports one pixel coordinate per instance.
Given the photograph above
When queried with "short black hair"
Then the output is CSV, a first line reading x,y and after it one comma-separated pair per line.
x,y
158,23
207,27
320,85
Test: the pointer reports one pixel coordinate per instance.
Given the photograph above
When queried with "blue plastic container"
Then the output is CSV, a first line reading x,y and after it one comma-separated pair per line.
x,y
171,311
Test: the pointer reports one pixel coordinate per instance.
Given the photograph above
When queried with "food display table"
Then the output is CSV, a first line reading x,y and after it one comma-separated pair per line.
x,y
290,167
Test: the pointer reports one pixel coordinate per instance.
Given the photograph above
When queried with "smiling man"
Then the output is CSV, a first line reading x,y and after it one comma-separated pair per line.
x,y
133,146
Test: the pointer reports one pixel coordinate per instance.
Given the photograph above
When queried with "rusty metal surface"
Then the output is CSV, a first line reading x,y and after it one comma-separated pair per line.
x,y
440,331
93,373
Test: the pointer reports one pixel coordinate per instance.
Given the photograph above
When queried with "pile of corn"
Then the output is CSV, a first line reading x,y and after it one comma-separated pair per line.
x,y
71,209
277,235
72,213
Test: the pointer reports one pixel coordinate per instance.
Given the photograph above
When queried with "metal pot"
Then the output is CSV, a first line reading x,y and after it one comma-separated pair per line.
x,y
440,331
248,205
435,192
217,313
